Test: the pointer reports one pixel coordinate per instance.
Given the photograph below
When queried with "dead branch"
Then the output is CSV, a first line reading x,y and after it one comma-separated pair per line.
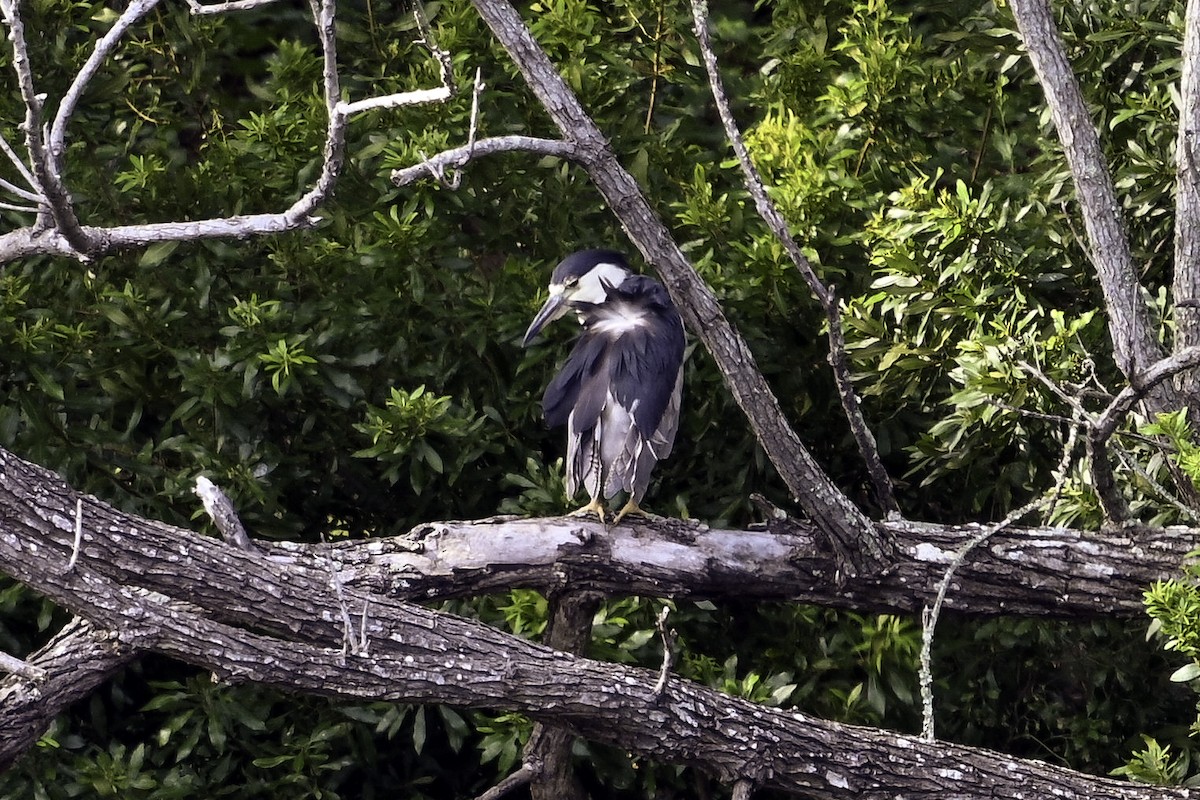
x,y
459,157
264,620
1101,428
1186,280
23,669
59,231
70,667
1135,345
826,295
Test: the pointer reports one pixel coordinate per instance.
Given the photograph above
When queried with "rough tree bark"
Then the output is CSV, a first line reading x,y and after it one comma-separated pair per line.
x,y
1135,344
271,619
76,661
1186,279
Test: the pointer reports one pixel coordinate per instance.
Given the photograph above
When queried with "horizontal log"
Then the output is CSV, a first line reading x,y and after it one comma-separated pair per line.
x,y
288,633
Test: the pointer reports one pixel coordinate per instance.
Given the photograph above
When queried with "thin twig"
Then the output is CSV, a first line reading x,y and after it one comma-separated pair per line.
x,y
15,666
78,534
24,194
363,640
222,8
461,156
825,295
473,129
1102,427
1163,493
21,168
668,643
1058,391
512,782
351,645
929,619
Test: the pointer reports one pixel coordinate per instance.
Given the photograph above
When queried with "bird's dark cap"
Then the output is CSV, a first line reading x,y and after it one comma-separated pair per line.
x,y
581,263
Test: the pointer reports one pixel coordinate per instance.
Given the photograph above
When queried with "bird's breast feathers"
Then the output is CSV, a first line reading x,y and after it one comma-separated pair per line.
x,y
616,317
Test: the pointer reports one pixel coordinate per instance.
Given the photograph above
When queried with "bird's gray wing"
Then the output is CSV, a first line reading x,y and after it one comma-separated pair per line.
x,y
577,379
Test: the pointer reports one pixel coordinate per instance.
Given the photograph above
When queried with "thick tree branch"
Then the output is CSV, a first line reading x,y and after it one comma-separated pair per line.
x,y
1049,571
1135,345
860,546
1186,286
826,295
286,638
77,660
569,629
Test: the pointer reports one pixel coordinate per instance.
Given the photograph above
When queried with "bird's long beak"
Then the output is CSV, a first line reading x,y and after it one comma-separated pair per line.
x,y
554,308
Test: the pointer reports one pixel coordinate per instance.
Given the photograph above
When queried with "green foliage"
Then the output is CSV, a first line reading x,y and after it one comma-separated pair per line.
x,y
401,432
1177,431
1174,608
1156,765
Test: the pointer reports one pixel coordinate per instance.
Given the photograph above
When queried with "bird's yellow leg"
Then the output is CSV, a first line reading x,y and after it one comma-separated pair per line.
x,y
594,507
630,507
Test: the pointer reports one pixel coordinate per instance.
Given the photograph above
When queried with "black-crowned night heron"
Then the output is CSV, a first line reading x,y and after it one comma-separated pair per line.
x,y
618,393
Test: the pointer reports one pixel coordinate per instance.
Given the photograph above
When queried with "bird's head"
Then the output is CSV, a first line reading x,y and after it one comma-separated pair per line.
x,y
582,279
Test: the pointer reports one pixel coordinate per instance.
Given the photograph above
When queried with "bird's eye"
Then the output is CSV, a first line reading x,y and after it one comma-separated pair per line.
x,y
569,282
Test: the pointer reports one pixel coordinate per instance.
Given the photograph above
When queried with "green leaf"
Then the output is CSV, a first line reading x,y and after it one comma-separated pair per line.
x,y
1188,672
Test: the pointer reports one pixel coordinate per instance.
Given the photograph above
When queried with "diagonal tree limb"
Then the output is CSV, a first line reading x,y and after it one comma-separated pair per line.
x,y
76,661
1135,345
23,170
860,546
56,144
826,295
932,613
22,669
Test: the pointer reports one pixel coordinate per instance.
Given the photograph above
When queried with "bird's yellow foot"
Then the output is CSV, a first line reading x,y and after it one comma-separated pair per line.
x,y
594,507
629,508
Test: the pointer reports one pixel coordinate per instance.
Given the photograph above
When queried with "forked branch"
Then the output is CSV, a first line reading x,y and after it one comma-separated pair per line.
x,y
60,232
